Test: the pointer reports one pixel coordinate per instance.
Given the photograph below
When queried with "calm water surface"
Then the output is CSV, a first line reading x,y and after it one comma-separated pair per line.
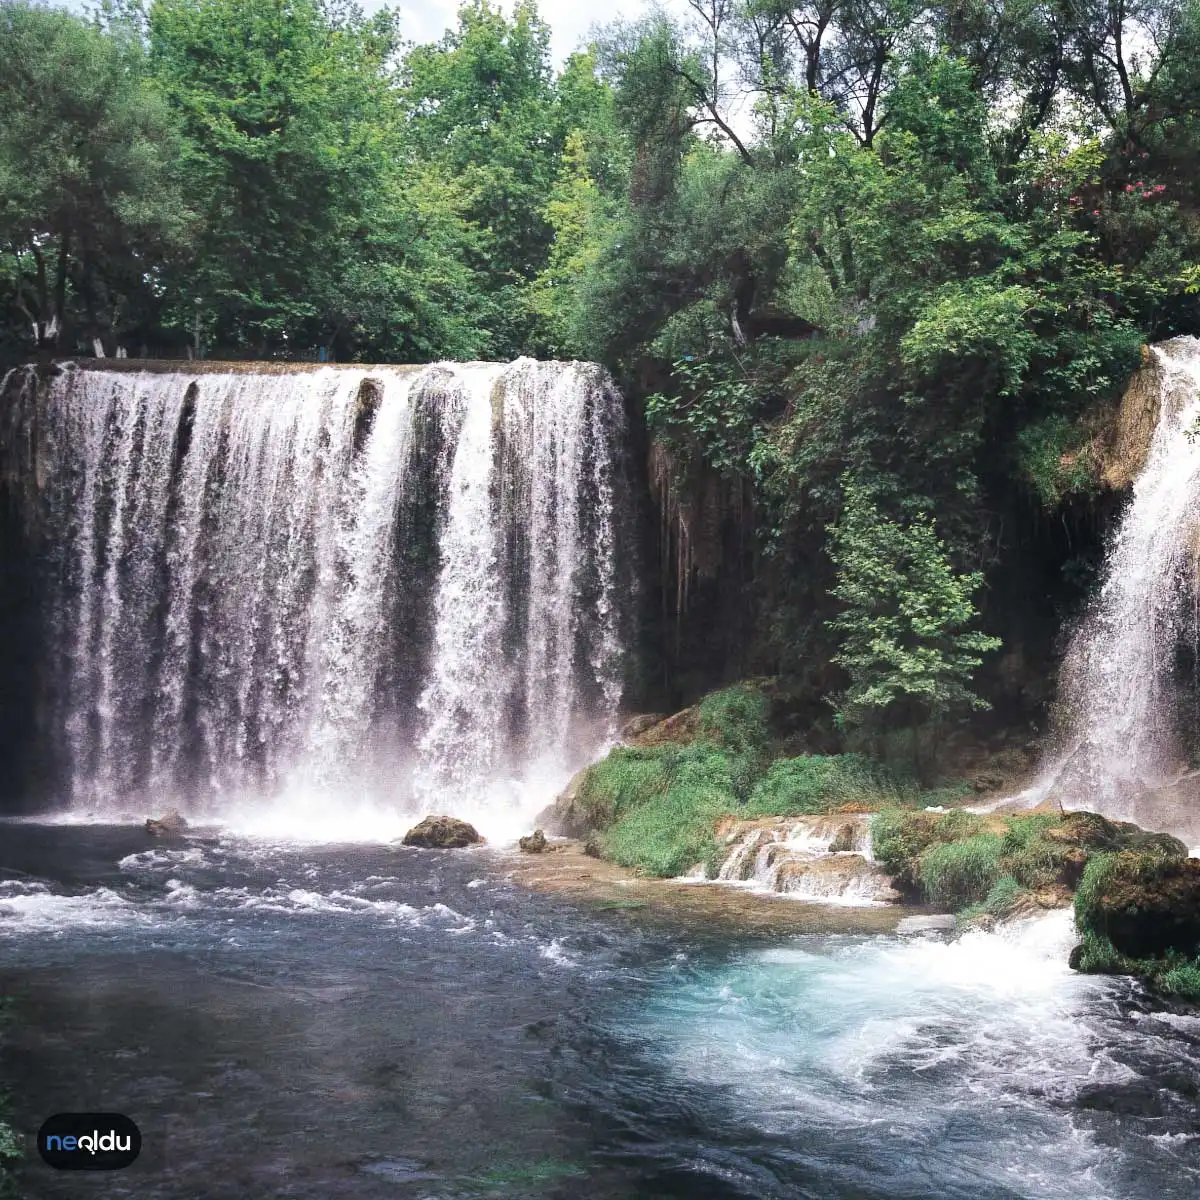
x,y
313,1022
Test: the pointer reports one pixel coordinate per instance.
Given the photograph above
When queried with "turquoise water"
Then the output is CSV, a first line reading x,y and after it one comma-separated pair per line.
x,y
326,1021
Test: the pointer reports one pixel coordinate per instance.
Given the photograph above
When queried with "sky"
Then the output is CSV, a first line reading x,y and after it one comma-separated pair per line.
x,y
569,20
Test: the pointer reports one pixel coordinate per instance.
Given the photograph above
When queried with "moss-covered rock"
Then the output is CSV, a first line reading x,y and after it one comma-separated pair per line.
x,y
1145,904
1093,832
442,833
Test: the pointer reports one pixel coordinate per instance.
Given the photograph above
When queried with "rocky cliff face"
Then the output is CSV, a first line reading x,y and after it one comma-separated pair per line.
x,y
24,778
1123,453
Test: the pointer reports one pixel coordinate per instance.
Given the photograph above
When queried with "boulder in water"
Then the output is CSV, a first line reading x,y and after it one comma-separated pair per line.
x,y
535,843
442,833
169,825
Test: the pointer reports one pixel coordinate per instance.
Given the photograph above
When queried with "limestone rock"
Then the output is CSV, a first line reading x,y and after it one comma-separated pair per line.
x,y
535,843
168,825
847,878
637,725
442,833
1128,444
676,730
565,817
846,840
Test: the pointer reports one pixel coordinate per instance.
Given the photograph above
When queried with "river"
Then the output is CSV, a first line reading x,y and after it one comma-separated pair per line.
x,y
314,1021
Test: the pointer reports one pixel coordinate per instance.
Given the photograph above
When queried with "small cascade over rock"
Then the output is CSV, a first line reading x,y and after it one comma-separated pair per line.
x,y
819,859
329,588
1122,707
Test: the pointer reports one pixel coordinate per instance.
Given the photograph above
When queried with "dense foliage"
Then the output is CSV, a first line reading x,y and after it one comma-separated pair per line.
x,y
871,271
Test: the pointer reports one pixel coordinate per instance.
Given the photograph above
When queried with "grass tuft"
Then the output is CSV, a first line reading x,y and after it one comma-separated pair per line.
x,y
956,874
818,783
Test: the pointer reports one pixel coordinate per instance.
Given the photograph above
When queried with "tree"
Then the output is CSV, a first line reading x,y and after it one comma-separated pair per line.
x,y
479,108
289,114
90,199
906,642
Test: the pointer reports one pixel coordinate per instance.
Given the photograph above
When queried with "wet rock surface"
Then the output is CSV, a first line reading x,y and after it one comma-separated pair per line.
x,y
535,843
171,824
442,833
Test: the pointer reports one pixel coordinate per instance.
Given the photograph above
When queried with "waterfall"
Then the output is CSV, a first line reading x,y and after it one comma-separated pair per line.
x,y
320,592
1118,749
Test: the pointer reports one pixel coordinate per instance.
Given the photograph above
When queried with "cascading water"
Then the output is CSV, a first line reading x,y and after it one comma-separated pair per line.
x,y
303,594
1119,704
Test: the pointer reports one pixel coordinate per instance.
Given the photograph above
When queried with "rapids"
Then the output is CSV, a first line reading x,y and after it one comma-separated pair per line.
x,y
355,1021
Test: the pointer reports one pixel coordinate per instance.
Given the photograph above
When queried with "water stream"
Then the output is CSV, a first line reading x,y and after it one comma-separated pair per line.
x,y
319,1021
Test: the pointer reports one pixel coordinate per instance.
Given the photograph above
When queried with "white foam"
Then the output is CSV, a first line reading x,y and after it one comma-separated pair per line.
x,y
553,950
37,910
904,1036
161,860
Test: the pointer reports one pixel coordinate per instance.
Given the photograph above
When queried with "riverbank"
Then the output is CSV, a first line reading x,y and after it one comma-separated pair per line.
x,y
717,794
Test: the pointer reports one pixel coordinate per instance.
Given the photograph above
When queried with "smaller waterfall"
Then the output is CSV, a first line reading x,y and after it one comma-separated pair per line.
x,y
1120,703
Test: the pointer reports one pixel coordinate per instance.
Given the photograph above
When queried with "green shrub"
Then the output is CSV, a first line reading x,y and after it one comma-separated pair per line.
x,y
899,837
816,783
956,824
955,874
622,780
1003,897
1098,956
1028,855
1182,981
946,795
1096,876
669,833
671,828
1055,460
1000,901
736,719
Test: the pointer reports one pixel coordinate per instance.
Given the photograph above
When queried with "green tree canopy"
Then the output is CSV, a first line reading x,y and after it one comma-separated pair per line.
x,y
91,205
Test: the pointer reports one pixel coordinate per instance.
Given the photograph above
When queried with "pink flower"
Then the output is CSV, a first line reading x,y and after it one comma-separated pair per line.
x,y
1129,187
